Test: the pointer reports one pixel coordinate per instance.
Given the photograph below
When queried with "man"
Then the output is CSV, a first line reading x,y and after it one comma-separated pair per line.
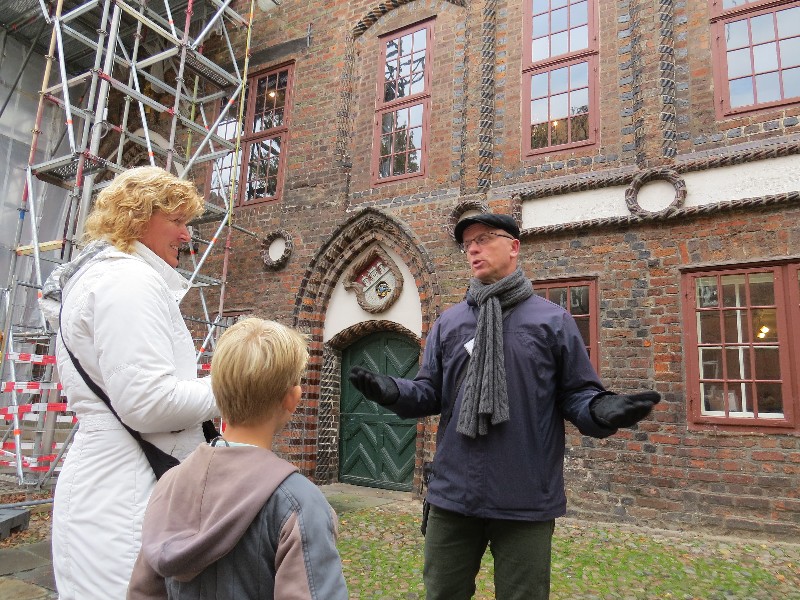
x,y
509,367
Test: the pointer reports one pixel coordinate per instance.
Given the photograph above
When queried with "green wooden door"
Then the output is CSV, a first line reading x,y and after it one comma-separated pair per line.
x,y
376,447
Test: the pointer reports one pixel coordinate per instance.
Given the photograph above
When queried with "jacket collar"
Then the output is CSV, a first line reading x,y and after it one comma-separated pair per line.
x,y
176,282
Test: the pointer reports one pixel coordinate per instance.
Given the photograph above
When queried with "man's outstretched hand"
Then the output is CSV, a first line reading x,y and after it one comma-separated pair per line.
x,y
616,411
376,387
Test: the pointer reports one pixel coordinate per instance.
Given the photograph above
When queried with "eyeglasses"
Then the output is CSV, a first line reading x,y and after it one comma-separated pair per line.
x,y
482,240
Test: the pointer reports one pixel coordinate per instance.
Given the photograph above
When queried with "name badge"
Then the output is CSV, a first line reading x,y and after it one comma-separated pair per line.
x,y
469,346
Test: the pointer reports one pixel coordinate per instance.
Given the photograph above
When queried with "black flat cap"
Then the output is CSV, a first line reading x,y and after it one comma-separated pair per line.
x,y
504,222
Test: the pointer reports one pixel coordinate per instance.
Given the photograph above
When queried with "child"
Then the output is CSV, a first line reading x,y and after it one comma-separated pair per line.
x,y
234,520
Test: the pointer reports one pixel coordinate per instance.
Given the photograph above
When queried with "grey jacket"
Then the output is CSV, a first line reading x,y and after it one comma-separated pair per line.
x,y
237,523
516,470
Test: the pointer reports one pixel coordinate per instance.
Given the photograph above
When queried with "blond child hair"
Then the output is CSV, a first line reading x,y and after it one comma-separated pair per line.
x,y
256,362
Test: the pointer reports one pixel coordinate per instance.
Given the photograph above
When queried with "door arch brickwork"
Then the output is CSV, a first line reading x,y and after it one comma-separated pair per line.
x,y
320,412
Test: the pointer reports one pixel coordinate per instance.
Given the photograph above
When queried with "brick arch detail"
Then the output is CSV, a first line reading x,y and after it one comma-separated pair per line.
x,y
382,8
321,411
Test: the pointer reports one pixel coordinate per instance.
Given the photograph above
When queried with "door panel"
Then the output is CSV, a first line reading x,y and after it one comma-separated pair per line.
x,y
376,447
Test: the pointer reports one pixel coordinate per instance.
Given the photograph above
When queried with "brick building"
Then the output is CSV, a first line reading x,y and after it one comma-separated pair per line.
x,y
650,152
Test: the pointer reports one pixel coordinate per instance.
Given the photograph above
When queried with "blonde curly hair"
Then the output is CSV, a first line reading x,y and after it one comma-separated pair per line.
x,y
123,209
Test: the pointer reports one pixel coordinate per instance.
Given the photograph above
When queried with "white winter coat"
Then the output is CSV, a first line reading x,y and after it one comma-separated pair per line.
x,y
121,320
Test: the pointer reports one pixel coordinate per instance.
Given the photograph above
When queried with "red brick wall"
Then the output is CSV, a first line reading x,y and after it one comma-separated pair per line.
x,y
661,474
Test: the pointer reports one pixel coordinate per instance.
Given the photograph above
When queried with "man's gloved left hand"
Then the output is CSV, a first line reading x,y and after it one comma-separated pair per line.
x,y
376,387
616,411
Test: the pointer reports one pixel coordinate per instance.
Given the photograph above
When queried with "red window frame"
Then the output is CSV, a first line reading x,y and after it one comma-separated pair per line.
x,y
742,346
583,309
561,40
762,56
403,119
265,130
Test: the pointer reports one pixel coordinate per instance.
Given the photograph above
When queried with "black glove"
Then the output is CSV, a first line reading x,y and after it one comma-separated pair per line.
x,y
616,411
376,387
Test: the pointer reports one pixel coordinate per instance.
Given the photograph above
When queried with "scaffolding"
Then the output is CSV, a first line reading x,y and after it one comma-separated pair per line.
x,y
135,87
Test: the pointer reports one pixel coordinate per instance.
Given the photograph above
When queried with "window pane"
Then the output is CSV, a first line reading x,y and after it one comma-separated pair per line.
x,y
578,14
558,19
765,325
733,290
711,394
539,111
420,40
710,363
540,6
770,398
391,49
708,328
414,162
559,296
583,328
579,300
706,292
736,327
539,87
558,80
415,115
578,38
415,138
762,289
541,25
579,75
788,22
790,52
540,49
384,169
762,28
559,43
768,87
736,35
401,118
386,145
387,122
558,106
580,128
739,63
765,57
791,83
741,91
539,137
738,362
768,366
579,102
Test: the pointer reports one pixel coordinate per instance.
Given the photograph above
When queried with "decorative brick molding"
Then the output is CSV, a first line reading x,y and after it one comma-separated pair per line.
x,y
380,9
668,175
666,81
281,261
349,241
635,179
487,112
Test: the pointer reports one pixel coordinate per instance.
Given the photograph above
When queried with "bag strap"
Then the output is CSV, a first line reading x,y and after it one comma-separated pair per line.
x,y
93,386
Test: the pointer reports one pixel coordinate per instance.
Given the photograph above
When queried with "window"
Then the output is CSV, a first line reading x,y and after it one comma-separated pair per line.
x,y
259,177
559,79
403,104
757,54
741,337
579,298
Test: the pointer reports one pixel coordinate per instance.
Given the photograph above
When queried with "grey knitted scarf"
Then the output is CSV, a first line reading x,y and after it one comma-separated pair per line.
x,y
486,395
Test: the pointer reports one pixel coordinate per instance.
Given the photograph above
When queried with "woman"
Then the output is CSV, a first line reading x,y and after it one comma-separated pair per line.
x,y
121,321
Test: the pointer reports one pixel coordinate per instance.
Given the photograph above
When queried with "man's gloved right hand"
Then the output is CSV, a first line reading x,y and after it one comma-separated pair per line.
x,y
376,387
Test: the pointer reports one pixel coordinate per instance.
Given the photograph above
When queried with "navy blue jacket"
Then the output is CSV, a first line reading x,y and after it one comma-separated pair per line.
x,y
516,471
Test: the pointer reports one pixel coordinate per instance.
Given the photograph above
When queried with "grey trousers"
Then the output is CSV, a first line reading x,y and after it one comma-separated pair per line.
x,y
455,544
